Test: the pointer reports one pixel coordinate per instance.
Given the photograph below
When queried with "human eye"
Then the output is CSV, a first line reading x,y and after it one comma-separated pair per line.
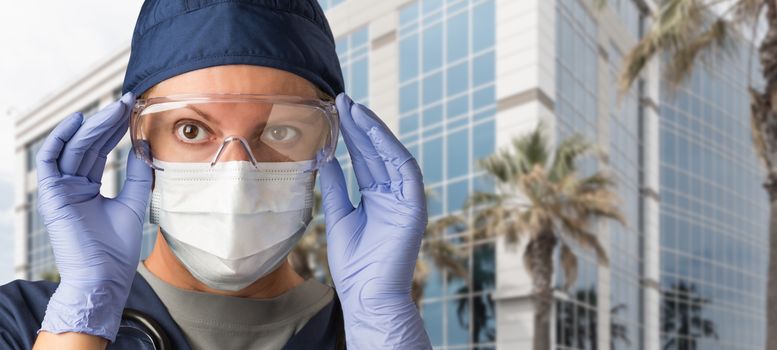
x,y
190,132
280,133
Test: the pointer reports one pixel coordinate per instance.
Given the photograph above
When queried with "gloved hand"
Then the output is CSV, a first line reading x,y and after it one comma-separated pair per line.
x,y
373,248
96,240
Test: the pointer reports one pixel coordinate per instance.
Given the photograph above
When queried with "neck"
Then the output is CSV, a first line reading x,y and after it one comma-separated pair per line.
x,y
163,264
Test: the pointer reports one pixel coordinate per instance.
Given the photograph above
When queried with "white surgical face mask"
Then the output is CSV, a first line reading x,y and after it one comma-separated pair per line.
x,y
232,223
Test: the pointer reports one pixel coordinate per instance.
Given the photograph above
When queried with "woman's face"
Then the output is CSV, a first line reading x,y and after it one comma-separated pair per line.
x,y
274,131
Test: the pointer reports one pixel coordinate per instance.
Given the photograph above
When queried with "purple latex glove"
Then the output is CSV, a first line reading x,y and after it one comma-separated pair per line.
x,y
373,248
96,240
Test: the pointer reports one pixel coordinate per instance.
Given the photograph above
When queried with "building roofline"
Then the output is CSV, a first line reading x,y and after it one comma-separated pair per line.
x,y
50,98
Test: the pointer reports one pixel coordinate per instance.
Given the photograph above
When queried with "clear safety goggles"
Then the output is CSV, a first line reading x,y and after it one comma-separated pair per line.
x,y
208,128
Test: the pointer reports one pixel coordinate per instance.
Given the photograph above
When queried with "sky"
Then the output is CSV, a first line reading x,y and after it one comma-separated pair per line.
x,y
46,45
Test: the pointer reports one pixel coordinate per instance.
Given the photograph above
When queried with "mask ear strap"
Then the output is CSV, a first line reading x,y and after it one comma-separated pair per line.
x,y
230,139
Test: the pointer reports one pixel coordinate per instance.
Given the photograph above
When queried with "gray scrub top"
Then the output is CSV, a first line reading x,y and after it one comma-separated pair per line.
x,y
212,321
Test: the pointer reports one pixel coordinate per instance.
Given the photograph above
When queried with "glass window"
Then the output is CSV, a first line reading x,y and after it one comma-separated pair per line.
x,y
431,5
408,97
484,138
458,321
457,106
434,202
457,79
483,17
432,162
408,123
408,57
483,69
483,97
432,47
432,88
457,194
458,154
483,267
359,80
432,115
432,315
408,13
457,30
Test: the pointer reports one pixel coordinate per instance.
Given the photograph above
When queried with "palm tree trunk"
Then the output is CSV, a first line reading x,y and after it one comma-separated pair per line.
x,y
539,258
764,110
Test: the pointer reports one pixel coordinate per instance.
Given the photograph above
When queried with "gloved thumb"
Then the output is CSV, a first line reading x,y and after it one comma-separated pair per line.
x,y
137,187
334,193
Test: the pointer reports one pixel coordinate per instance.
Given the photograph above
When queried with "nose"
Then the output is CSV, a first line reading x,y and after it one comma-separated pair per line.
x,y
234,148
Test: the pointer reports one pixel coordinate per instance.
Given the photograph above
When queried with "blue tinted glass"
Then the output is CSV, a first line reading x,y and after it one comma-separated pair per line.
x,y
434,282
458,153
432,315
341,150
483,268
359,79
432,115
434,131
408,123
408,57
413,149
483,183
432,47
341,46
431,5
458,106
458,321
483,20
408,97
483,97
432,88
457,194
483,140
408,13
457,79
488,113
432,162
359,38
457,122
483,69
457,37
434,202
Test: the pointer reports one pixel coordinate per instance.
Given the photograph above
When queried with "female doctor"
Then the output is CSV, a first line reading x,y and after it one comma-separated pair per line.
x,y
231,112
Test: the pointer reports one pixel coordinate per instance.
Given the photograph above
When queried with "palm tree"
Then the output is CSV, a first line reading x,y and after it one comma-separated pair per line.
x,y
688,30
683,320
309,257
541,197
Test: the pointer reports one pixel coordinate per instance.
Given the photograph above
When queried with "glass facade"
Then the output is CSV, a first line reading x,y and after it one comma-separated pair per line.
x,y
577,112
353,51
714,213
447,106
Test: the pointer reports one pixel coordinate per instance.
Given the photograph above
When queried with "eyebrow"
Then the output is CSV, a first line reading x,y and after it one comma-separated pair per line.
x,y
202,113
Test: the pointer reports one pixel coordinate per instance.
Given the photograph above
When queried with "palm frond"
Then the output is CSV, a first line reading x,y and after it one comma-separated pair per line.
x,y
566,154
683,29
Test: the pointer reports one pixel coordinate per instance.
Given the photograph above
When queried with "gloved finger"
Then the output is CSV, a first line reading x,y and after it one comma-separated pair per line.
x,y
334,192
94,159
93,130
367,166
401,165
96,173
137,186
47,156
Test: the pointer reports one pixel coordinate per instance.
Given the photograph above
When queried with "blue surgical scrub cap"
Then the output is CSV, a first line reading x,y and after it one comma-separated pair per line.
x,y
172,37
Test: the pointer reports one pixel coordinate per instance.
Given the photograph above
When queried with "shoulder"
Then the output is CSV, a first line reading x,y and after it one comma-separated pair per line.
x,y
22,306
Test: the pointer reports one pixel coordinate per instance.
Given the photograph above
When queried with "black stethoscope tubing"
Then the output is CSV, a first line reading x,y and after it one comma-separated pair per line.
x,y
154,329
